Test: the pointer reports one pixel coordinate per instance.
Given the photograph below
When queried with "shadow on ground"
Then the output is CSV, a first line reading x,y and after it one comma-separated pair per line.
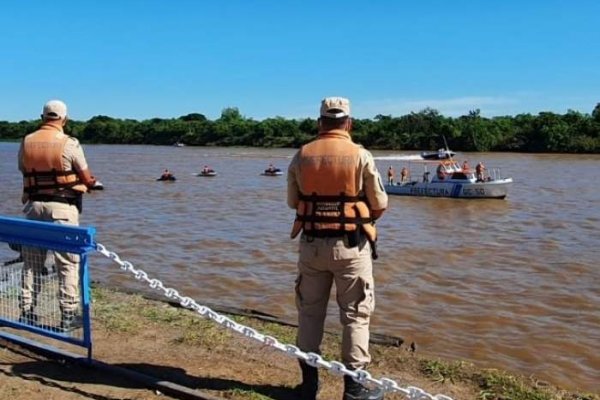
x,y
179,376
50,373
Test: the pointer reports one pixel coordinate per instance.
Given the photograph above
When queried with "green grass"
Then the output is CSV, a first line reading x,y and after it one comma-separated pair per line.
x,y
133,313
500,385
494,384
441,371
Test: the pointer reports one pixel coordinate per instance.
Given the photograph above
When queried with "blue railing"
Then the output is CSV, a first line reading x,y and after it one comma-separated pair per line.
x,y
21,234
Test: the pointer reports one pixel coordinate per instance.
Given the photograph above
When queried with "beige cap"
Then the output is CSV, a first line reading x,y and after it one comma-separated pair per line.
x,y
335,107
54,109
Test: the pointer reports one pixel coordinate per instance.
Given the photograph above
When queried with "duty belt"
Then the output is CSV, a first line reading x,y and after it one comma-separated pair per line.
x,y
354,238
49,197
74,201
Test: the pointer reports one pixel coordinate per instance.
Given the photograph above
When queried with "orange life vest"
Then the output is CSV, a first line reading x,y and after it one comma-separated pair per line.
x,y
330,204
42,161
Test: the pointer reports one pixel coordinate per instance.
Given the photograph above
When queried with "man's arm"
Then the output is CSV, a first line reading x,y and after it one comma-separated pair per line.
x,y
86,178
293,190
80,164
372,185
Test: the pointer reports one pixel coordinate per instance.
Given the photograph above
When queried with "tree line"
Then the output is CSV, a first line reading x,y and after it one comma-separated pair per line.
x,y
572,132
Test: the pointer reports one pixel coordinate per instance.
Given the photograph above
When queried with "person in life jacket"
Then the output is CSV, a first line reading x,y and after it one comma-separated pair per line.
x,y
441,172
166,175
337,192
55,177
480,172
391,174
404,175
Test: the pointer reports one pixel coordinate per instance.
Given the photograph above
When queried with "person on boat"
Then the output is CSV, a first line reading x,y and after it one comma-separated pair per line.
x,y
271,169
480,172
166,175
404,175
335,246
465,166
390,174
55,177
207,170
425,176
441,172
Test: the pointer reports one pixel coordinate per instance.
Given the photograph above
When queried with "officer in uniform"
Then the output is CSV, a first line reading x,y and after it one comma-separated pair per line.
x,y
55,177
337,192
391,174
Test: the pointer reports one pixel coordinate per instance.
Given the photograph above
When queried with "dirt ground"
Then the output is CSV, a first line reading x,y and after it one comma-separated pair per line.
x,y
176,346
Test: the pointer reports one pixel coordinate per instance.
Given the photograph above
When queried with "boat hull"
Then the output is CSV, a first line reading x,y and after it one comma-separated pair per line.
x,y
497,189
441,154
276,173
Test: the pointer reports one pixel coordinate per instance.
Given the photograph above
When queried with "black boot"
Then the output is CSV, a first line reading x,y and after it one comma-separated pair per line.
x,y
70,321
355,391
309,387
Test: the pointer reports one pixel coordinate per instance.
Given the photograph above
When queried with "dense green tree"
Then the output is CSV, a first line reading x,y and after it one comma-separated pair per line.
x,y
427,129
193,117
596,113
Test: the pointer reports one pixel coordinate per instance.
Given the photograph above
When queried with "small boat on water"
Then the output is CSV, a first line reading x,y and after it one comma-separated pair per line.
x,y
273,172
170,178
97,186
441,154
450,180
207,173
179,144
166,176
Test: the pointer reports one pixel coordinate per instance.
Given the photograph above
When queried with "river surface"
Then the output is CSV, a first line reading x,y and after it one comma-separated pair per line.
x,y
511,284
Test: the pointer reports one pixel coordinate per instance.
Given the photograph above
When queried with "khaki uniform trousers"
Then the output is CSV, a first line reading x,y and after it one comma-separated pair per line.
x,y
67,264
322,262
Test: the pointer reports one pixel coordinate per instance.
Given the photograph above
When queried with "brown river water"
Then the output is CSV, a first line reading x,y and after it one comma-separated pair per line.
x,y
511,284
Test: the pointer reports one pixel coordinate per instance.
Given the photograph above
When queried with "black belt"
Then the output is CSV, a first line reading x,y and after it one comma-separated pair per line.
x,y
59,199
73,201
324,233
354,238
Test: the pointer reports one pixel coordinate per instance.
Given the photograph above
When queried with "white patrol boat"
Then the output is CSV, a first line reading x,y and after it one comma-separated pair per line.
x,y
445,178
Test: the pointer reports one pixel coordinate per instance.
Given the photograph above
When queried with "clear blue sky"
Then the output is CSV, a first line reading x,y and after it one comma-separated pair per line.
x,y
143,59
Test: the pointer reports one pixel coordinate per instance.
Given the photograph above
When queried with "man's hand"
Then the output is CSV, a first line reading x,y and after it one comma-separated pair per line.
x,y
377,213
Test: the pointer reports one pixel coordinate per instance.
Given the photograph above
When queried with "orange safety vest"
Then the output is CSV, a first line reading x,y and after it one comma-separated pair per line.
x,y
330,204
42,162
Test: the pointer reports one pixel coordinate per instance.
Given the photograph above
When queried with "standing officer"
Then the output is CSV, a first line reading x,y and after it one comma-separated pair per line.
x,y
55,176
337,192
391,174
480,171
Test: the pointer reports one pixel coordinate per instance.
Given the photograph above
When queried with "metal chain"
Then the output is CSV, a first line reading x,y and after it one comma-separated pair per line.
x,y
312,359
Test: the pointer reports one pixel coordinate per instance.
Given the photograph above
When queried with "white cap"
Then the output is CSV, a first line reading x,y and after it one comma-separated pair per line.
x,y
335,107
54,109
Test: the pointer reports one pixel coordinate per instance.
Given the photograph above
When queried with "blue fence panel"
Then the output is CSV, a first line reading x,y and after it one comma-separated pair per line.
x,y
44,243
